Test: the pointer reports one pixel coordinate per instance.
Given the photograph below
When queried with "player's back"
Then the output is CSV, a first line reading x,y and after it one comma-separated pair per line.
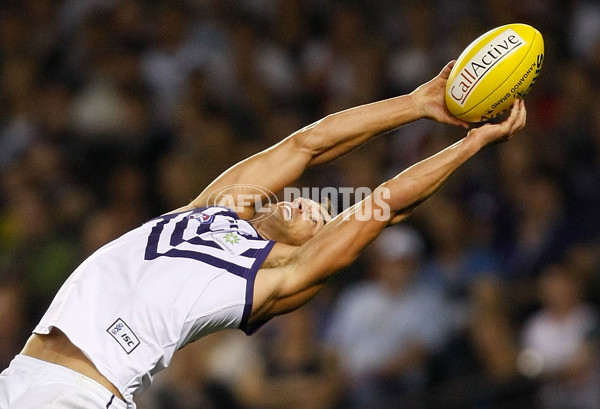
x,y
138,299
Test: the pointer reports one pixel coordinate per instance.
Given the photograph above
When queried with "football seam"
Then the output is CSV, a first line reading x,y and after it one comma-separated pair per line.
x,y
503,82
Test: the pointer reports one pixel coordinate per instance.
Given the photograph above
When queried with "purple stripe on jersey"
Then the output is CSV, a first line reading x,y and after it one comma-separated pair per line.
x,y
176,238
152,252
250,278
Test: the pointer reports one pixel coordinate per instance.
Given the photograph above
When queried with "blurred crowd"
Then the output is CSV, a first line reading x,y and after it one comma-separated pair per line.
x,y
115,111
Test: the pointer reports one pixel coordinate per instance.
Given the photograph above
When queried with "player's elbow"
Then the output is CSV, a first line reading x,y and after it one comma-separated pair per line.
x,y
310,139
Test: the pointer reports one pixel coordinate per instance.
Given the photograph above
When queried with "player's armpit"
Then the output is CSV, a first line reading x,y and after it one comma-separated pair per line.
x,y
307,268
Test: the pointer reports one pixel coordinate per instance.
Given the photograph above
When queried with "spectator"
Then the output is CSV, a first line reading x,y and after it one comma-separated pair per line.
x,y
88,85
296,371
387,326
456,261
190,383
13,315
479,368
560,343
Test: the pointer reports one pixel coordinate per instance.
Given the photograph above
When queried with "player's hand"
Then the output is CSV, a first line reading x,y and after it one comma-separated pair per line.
x,y
430,99
504,131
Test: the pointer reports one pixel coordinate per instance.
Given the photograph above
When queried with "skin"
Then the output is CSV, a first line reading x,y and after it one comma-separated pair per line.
x,y
310,247
309,251
293,222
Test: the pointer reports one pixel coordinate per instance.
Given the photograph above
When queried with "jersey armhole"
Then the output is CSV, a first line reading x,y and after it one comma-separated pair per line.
x,y
250,278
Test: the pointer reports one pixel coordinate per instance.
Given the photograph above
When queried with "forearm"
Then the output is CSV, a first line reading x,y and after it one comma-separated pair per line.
x,y
418,182
346,235
282,164
343,238
339,133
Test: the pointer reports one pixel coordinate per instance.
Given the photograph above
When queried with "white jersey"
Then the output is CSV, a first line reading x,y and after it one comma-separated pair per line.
x,y
141,297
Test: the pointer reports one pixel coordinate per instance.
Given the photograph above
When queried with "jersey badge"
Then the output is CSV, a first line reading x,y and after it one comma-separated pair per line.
x,y
121,333
202,217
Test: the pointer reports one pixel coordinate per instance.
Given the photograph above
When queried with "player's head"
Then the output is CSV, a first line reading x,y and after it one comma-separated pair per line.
x,y
293,222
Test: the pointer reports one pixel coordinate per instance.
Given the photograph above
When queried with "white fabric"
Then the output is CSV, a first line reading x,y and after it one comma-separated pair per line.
x,y
138,299
29,383
559,341
371,326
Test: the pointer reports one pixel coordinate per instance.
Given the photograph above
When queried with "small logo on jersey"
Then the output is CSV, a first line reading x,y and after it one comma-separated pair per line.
x,y
232,238
202,217
231,242
123,335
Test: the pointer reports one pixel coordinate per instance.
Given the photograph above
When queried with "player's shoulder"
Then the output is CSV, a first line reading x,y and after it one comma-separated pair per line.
x,y
195,210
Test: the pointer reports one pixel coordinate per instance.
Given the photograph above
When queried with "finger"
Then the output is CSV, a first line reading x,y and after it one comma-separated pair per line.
x,y
519,117
459,122
445,73
522,114
514,113
509,125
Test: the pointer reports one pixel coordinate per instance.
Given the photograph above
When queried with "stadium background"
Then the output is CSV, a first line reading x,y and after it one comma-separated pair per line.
x,y
112,112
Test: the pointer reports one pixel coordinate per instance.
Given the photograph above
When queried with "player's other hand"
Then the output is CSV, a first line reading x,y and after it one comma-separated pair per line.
x,y
504,131
430,99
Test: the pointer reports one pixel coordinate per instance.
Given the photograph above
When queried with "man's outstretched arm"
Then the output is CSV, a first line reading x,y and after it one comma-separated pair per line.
x,y
283,289
331,137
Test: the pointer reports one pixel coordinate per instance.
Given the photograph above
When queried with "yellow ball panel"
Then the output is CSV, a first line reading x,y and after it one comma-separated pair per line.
x,y
493,70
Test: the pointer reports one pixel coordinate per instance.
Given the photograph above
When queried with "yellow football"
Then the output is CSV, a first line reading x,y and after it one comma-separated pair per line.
x,y
493,70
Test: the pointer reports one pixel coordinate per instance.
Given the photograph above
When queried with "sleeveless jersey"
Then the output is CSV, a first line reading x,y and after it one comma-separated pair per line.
x,y
174,279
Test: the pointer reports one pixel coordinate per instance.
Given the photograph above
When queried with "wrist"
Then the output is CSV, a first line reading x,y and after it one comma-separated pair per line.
x,y
476,140
417,107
